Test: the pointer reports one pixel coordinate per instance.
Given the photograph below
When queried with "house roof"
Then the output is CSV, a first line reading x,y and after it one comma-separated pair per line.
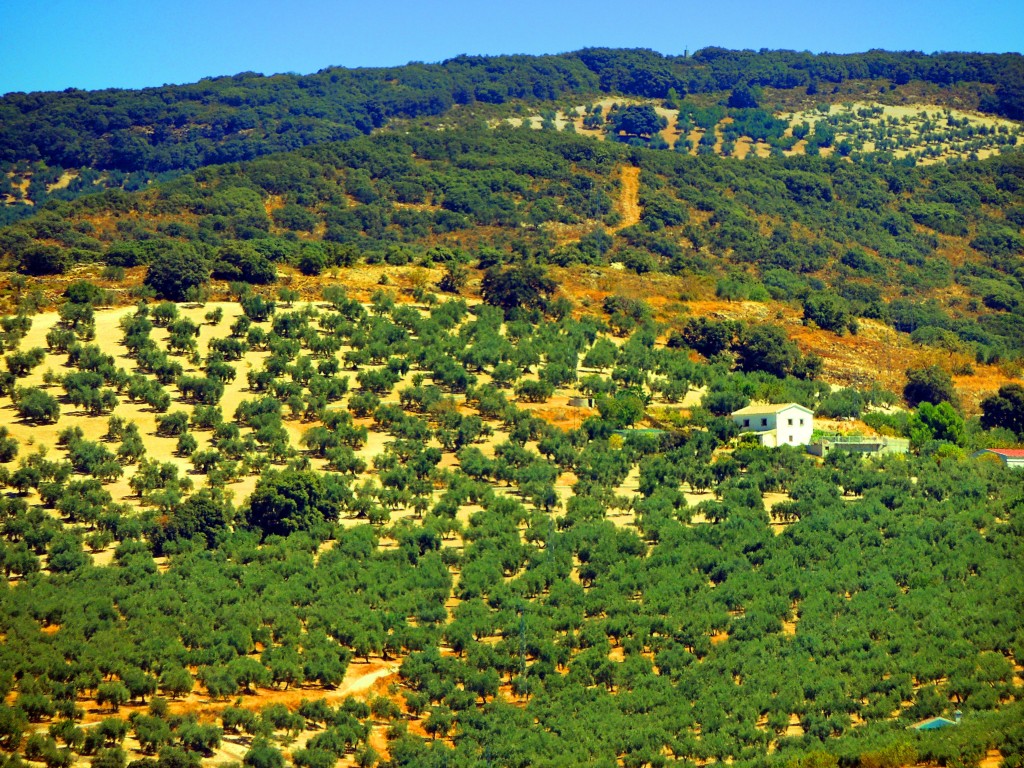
x,y
1008,453
760,409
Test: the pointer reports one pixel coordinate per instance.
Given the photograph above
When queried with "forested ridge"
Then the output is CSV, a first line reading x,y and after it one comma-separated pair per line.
x,y
224,119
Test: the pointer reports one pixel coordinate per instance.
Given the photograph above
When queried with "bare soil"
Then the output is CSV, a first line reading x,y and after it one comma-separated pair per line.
x,y
628,204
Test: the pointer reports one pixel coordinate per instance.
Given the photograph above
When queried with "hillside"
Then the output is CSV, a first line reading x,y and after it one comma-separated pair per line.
x,y
931,250
383,417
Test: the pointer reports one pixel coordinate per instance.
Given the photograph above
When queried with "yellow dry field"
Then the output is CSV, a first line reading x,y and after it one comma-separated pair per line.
x,y
62,182
33,437
918,129
25,180
44,437
21,184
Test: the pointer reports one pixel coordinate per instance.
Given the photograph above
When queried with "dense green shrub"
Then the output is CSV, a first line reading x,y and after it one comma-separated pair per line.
x,y
44,260
828,311
174,269
35,405
929,385
288,501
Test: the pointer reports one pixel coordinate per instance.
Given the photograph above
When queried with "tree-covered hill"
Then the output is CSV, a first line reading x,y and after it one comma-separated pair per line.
x,y
223,119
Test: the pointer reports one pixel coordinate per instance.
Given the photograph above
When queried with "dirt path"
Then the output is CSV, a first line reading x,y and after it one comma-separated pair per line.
x,y
363,680
360,680
629,199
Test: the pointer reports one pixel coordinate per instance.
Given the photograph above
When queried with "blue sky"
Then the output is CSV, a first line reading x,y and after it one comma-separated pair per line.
x,y
57,44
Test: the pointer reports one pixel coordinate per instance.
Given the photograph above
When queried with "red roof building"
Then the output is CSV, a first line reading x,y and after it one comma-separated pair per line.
x,y
1011,457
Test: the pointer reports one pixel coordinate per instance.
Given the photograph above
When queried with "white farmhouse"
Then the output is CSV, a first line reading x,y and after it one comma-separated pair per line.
x,y
777,423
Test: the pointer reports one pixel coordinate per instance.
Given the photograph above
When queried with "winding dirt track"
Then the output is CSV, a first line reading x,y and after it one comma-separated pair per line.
x,y
629,200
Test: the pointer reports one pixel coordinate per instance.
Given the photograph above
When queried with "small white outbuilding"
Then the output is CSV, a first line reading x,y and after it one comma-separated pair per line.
x,y
777,423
